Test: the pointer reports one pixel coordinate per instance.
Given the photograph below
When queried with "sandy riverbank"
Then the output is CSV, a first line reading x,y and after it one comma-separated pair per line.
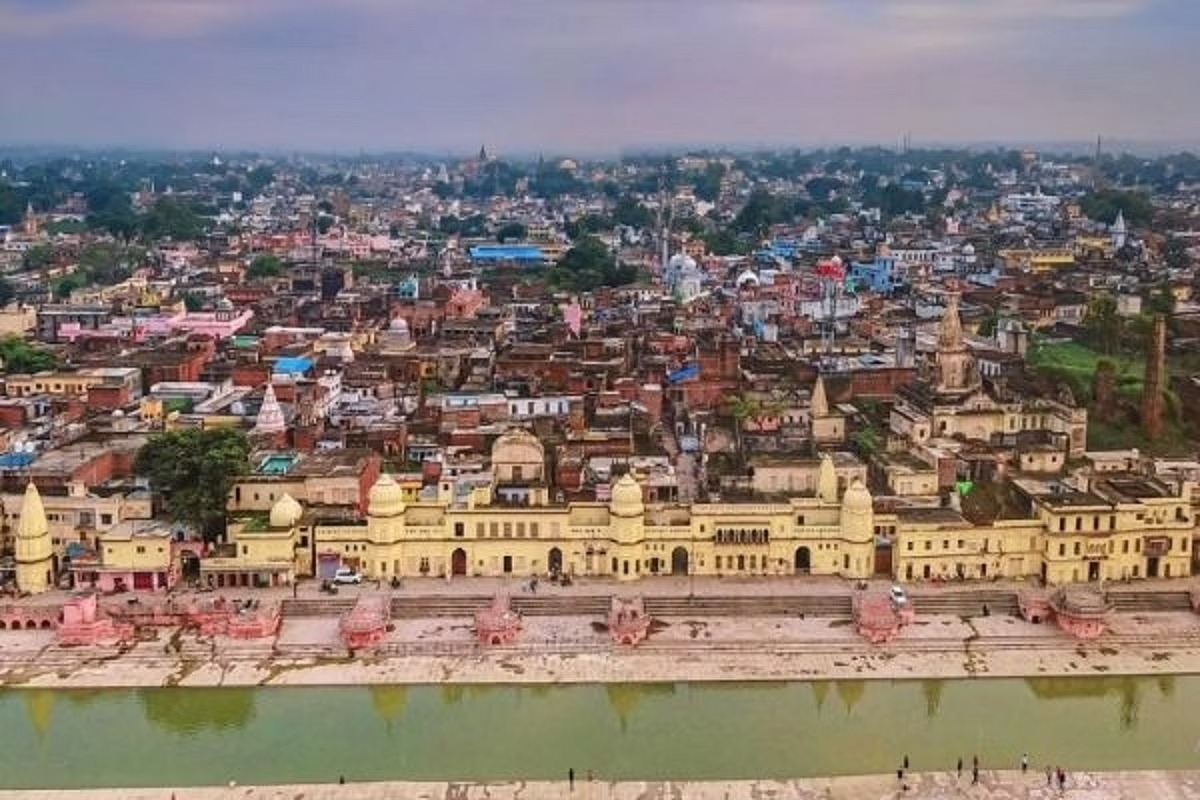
x,y
994,785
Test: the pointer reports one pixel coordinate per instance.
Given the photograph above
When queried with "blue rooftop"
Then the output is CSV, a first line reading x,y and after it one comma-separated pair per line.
x,y
16,460
292,365
507,252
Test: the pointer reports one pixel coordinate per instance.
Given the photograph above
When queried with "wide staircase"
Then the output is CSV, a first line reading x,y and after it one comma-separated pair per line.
x,y
323,607
965,603
1149,601
431,606
756,606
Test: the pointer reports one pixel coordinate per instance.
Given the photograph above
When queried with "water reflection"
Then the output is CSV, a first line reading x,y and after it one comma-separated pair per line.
x,y
1126,688
931,690
850,692
389,702
820,690
39,707
623,698
189,711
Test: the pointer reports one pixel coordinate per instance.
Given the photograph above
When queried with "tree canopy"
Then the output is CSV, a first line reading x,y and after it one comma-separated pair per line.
x,y
1102,205
194,471
588,265
264,265
20,356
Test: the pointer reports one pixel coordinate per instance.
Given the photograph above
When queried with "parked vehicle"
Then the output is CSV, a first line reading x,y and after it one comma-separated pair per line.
x,y
346,575
899,596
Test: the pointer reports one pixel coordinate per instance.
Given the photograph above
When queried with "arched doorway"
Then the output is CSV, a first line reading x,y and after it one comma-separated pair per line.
x,y
679,561
554,560
458,562
189,566
803,560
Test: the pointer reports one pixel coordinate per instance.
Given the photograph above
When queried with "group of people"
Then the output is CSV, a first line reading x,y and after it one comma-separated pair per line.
x,y
1055,777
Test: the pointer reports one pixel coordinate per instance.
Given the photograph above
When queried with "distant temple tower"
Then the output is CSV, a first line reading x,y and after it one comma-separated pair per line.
x,y
270,420
30,223
953,360
1152,394
33,551
1119,231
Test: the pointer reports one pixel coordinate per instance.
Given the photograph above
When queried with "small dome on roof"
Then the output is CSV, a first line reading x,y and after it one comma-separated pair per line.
x,y
682,262
286,512
857,497
385,498
627,497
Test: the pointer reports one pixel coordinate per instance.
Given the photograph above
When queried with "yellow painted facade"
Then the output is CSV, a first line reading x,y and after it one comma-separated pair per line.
x,y
1121,527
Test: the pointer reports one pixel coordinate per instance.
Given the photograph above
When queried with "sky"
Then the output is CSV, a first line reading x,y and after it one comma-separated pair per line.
x,y
594,76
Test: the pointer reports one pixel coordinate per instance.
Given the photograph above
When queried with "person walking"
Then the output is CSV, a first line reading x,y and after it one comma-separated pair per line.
x,y
1024,763
975,775
571,779
1049,777
959,769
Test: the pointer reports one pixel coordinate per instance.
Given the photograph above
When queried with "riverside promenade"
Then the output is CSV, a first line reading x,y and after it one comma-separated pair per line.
x,y
993,785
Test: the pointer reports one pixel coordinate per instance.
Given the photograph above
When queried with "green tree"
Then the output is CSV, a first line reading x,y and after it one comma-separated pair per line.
x,y
37,257
1102,324
10,205
21,357
194,470
708,182
193,302
264,265
589,265
510,230
1175,253
171,219
628,211
1103,204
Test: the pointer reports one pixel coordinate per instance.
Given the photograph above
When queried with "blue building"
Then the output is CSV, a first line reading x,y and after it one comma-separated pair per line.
x,y
524,254
883,276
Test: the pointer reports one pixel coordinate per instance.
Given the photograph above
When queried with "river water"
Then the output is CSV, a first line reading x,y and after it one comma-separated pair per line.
x,y
56,738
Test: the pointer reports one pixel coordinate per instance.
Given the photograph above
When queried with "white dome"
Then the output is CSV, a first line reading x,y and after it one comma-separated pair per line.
x,y
398,325
385,498
286,512
968,249
747,277
682,262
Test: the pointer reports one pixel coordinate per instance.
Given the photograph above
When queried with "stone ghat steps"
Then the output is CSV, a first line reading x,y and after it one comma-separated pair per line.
x,y
331,607
838,606
1150,601
433,606
966,604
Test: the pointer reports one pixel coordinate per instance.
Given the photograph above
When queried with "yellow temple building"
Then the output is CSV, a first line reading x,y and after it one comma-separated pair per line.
x,y
1119,528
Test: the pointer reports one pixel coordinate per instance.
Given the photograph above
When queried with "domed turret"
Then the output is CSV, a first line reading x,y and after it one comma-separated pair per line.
x,y
858,519
385,498
286,512
627,498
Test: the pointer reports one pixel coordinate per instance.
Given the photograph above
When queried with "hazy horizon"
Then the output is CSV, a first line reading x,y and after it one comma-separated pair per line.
x,y
595,78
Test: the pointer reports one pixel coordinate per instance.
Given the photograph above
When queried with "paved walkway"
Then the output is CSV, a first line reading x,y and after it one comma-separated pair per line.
x,y
926,786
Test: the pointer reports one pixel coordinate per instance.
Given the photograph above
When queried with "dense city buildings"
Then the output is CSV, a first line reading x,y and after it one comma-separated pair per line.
x,y
922,365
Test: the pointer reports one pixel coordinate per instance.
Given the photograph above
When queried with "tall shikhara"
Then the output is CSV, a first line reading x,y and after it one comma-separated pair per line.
x,y
1152,389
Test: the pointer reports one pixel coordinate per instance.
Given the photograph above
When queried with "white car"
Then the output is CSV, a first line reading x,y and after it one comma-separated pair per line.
x,y
346,575
899,596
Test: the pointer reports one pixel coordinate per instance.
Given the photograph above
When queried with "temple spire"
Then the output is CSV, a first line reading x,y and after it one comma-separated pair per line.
x,y
33,550
270,415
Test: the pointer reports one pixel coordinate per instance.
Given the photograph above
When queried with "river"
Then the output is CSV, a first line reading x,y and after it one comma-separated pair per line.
x,y
66,738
